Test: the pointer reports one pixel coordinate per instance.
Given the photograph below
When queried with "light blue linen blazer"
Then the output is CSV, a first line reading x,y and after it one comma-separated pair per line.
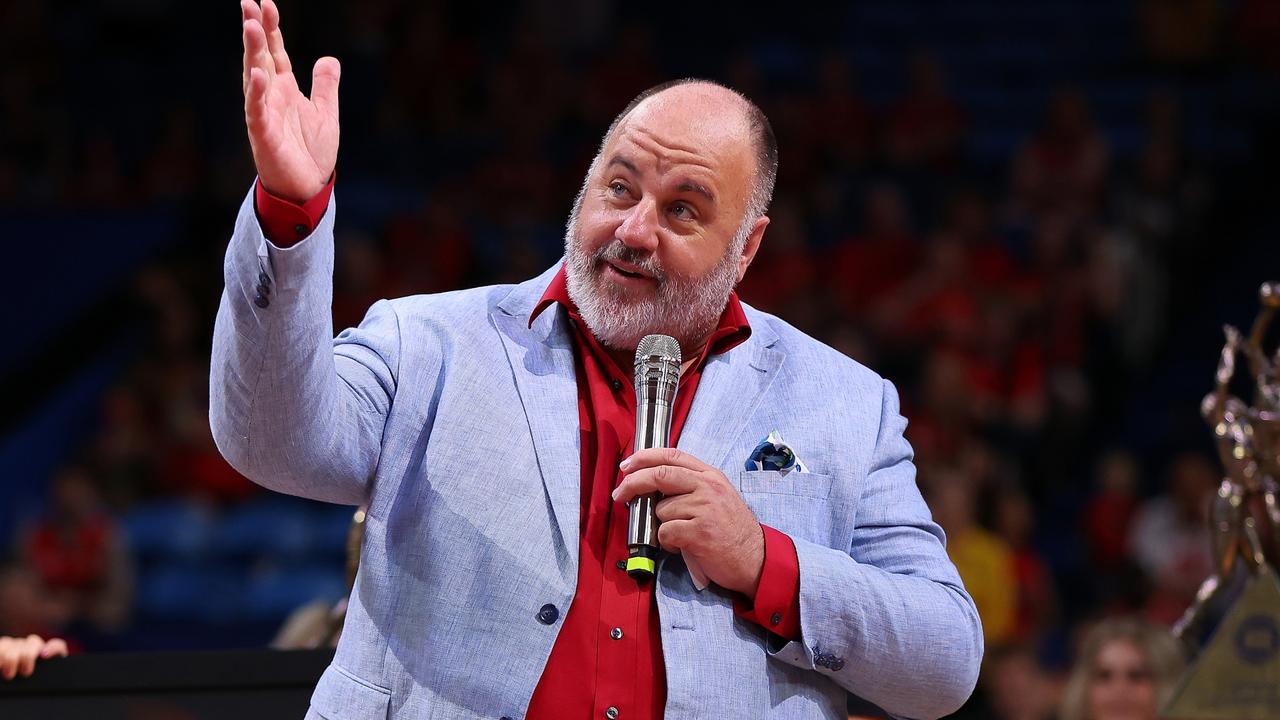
x,y
456,422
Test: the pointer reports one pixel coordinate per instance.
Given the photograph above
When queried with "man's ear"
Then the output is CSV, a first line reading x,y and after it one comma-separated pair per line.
x,y
752,245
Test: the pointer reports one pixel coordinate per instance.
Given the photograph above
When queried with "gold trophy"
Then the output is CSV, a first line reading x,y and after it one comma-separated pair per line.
x,y
1236,676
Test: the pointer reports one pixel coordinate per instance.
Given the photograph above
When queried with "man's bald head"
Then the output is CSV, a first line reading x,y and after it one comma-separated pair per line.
x,y
717,100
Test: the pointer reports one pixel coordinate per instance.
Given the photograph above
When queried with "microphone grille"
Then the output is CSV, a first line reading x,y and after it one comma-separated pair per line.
x,y
663,346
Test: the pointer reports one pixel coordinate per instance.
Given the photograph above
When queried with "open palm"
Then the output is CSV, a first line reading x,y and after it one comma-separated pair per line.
x,y
294,138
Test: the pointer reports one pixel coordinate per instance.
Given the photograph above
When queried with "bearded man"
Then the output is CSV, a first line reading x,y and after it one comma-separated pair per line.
x,y
489,432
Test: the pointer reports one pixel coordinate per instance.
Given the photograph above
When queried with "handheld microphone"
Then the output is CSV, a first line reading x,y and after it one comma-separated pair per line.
x,y
657,377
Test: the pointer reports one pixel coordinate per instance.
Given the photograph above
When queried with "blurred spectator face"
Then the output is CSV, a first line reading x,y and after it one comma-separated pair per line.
x,y
1122,687
1018,687
951,501
1194,482
946,385
1053,240
946,257
835,77
22,602
74,496
659,237
1015,517
1118,474
1159,166
969,216
886,211
1069,115
926,76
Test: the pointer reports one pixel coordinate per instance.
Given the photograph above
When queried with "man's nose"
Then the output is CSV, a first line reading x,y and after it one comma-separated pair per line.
x,y
640,228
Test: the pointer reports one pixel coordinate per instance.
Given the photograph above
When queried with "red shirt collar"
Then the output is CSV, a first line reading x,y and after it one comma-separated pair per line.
x,y
732,330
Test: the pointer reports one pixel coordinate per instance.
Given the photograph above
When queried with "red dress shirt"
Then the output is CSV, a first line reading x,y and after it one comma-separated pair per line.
x,y
608,653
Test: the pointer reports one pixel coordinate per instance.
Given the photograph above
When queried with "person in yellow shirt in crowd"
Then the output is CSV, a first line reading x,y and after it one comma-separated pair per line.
x,y
983,559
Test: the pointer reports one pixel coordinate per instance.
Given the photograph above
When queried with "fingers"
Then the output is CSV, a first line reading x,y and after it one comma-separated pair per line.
x,y
28,653
9,648
673,536
18,655
248,11
275,39
678,507
255,102
255,50
666,479
663,456
324,84
56,647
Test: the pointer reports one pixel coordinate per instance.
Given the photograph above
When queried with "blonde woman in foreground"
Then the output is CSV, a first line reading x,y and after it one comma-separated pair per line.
x,y
1126,670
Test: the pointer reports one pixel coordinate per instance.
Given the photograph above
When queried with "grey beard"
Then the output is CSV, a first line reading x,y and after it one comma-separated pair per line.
x,y
687,309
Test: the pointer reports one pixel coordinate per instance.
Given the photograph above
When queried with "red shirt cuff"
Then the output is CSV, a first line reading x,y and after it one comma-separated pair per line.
x,y
285,222
776,605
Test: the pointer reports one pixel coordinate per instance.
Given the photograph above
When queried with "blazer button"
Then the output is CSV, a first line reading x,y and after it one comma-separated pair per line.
x,y
775,619
263,290
261,301
300,230
548,614
264,279
836,663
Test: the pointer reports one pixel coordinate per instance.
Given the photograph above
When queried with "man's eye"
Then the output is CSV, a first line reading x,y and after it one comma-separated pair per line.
x,y
618,189
682,211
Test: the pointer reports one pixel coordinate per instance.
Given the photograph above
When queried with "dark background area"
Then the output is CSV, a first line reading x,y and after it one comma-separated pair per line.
x,y
1033,217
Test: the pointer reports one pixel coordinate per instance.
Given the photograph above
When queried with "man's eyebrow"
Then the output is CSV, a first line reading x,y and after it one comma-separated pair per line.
x,y
690,186
624,162
684,186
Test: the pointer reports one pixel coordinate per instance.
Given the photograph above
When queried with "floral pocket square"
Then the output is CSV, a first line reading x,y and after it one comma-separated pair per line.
x,y
773,453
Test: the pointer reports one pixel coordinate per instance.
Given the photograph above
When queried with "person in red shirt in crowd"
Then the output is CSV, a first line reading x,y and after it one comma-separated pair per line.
x,y
866,268
1037,602
1064,166
1110,513
79,554
926,126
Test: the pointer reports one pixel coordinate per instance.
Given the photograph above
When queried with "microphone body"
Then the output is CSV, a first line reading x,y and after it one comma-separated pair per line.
x,y
657,378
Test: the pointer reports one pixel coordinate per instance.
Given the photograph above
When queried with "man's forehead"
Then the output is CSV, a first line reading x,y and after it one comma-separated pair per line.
x,y
696,124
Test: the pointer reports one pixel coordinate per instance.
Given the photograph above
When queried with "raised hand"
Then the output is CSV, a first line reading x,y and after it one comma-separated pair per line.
x,y
294,139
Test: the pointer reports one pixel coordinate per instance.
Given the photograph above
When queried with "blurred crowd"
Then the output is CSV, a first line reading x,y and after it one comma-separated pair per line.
x,y
1014,303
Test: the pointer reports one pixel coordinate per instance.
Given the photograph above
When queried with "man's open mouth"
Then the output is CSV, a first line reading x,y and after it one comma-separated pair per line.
x,y
628,273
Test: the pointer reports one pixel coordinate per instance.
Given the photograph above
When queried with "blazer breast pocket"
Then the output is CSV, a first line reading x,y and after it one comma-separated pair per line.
x,y
342,696
797,503
793,483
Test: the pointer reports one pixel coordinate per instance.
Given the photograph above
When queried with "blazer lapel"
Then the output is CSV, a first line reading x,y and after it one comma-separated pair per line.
x,y
731,388
541,360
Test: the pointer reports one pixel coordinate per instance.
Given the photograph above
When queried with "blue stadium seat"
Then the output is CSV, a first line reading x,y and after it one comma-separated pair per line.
x,y
169,529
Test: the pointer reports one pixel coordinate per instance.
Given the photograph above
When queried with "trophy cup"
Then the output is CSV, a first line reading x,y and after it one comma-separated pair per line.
x,y
1236,676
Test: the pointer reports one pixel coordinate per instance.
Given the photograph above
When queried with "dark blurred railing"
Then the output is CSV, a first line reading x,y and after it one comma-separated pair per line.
x,y
239,684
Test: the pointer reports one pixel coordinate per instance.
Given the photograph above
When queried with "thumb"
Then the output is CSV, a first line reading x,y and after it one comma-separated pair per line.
x,y
324,84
